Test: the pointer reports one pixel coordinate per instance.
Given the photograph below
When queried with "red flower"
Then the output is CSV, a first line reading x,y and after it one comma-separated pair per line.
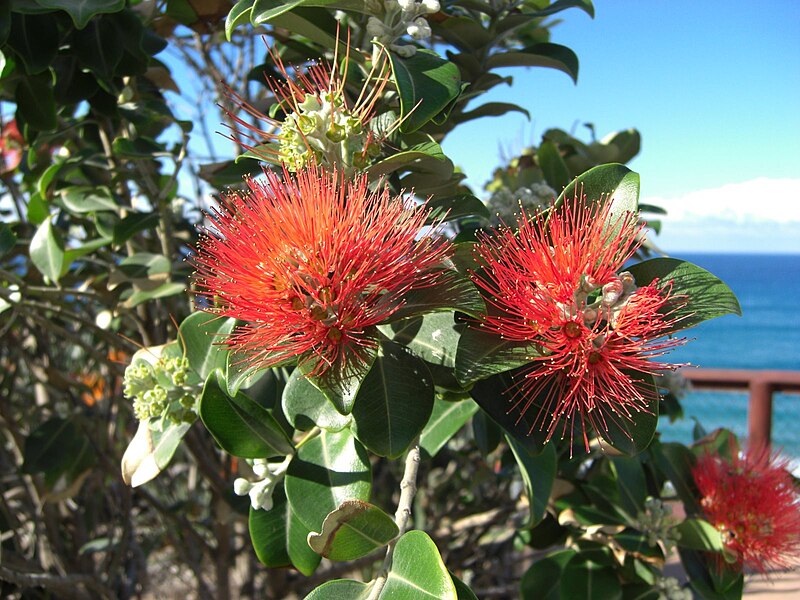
x,y
751,499
311,264
554,283
321,123
11,144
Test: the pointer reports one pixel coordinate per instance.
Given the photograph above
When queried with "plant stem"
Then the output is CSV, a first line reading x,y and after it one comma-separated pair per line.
x,y
408,489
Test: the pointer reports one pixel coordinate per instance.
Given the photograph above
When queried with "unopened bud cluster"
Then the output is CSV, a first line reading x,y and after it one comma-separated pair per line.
x,y
268,476
160,390
506,205
402,17
669,588
657,522
324,131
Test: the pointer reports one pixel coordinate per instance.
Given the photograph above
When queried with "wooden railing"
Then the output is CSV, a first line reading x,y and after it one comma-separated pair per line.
x,y
761,385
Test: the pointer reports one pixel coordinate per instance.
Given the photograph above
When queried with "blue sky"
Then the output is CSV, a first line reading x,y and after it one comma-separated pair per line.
x,y
714,88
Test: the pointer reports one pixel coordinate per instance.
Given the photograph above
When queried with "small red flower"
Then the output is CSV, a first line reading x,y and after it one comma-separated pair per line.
x,y
11,145
312,263
554,282
752,500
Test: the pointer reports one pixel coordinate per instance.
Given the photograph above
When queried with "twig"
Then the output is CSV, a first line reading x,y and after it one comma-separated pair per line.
x,y
62,583
408,489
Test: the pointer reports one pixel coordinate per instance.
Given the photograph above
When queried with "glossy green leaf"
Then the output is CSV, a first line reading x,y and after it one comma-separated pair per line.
x,y
97,47
302,556
139,148
631,483
541,581
454,207
240,425
147,270
34,39
707,296
538,474
463,591
150,451
339,589
80,12
417,571
453,291
8,239
446,419
482,354
464,32
132,224
394,402
239,14
711,578
202,335
341,388
634,434
432,337
35,101
239,373
268,531
584,578
326,471
305,406
553,166
47,251
170,288
545,54
81,199
406,158
75,252
353,530
676,462
698,534
613,182
426,84
492,109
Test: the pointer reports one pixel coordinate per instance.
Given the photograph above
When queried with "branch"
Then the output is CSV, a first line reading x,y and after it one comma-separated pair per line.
x,y
62,583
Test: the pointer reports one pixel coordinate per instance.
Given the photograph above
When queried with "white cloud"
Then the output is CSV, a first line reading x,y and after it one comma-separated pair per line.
x,y
760,215
756,201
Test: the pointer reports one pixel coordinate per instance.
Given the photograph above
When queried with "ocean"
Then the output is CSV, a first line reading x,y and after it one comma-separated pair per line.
x,y
766,336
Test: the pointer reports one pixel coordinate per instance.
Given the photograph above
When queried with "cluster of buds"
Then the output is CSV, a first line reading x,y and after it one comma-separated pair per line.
x,y
160,390
268,476
669,588
506,205
657,523
323,130
402,17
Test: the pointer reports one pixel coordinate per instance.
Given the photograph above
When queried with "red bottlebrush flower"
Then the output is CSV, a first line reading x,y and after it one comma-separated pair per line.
x,y
554,282
752,500
321,124
312,263
11,144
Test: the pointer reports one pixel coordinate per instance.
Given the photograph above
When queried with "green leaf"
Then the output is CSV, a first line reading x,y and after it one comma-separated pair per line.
x,y
34,39
463,592
240,425
492,109
326,471
541,581
268,531
454,207
698,534
81,199
631,483
302,556
133,224
139,148
8,239
613,183
426,84
553,166
633,435
353,530
452,291
35,101
341,388
464,32
432,337
481,354
150,451
338,589
47,251
57,448
394,402
304,406
584,578
538,473
239,14
97,47
676,462
545,54
81,11
417,571
406,158
445,421
148,271
74,253
201,334
708,297
170,288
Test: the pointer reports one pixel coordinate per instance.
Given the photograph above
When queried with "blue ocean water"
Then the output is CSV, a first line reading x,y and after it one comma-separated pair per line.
x,y
766,336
